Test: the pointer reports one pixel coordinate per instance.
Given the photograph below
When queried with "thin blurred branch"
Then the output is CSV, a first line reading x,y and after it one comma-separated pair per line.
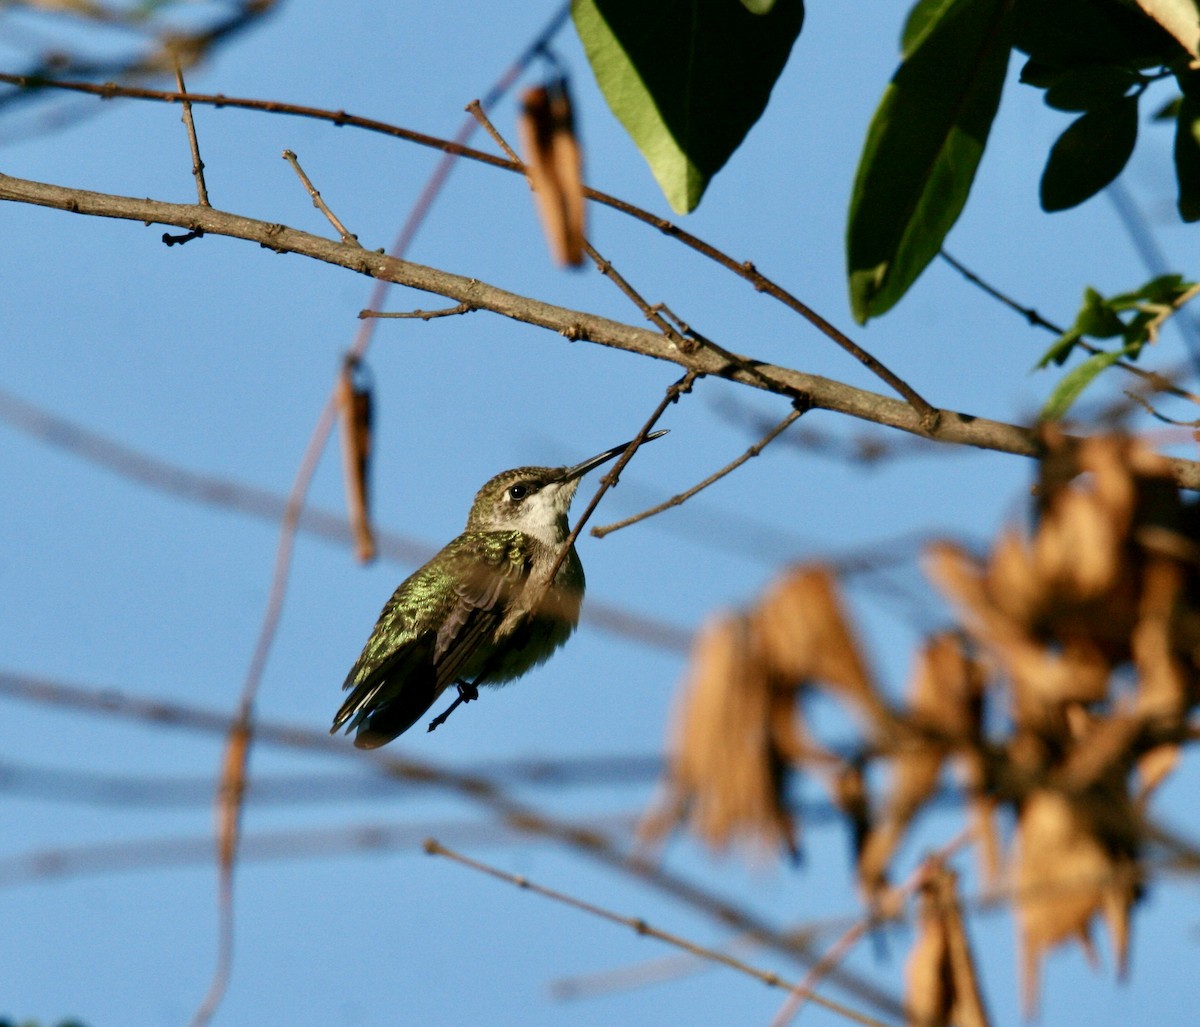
x,y
128,792
867,448
228,494
474,788
52,865
435,848
888,906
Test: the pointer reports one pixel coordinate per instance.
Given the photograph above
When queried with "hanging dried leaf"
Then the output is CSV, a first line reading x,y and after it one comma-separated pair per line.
x,y
807,639
231,791
355,413
1065,875
944,716
554,163
942,986
848,788
1044,676
726,773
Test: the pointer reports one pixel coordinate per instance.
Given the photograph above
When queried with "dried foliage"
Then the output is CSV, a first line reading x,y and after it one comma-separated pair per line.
x,y
554,163
355,403
1062,695
942,984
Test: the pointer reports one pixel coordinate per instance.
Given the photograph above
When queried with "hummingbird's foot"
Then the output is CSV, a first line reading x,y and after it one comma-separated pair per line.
x,y
467,692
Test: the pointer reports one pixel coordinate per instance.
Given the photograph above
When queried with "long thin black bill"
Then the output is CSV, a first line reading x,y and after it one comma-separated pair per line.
x,y
579,470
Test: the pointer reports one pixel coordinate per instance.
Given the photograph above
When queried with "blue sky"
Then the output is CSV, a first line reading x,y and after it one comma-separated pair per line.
x,y
217,357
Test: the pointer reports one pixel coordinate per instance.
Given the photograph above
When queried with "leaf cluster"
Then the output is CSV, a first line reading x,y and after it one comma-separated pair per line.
x,y
689,82
1134,318
1062,694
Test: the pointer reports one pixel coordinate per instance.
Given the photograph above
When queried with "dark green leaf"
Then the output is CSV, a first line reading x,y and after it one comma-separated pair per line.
x,y
1035,73
923,17
687,78
922,149
1061,348
1074,382
1187,158
1097,318
1089,155
1089,88
1079,33
1163,289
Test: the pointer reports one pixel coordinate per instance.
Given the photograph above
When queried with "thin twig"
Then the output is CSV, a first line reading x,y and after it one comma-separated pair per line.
x,y
773,980
348,237
683,497
189,124
1157,381
424,315
1032,316
887,907
686,343
476,789
673,393
928,416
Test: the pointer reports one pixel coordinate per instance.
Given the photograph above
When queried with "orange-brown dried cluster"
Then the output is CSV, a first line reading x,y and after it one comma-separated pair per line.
x,y
1063,695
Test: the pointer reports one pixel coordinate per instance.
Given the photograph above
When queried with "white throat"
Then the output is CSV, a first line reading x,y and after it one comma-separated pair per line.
x,y
544,514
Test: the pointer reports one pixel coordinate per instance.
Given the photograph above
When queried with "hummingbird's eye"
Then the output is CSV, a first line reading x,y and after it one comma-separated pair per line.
x,y
518,492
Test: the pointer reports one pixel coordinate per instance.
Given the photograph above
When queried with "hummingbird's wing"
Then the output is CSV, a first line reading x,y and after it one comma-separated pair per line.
x,y
436,629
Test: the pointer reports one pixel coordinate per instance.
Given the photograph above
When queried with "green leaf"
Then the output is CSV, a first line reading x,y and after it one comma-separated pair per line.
x,y
1089,88
1074,382
1187,158
1089,155
923,17
1080,33
758,6
922,148
1061,348
1097,317
687,78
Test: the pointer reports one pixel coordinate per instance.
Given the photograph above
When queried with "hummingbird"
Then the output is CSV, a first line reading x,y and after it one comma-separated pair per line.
x,y
480,612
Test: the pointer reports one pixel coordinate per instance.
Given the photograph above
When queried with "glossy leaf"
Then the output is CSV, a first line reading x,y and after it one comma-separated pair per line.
x,y
687,78
1187,157
1089,88
1085,33
923,147
1089,154
1075,381
923,17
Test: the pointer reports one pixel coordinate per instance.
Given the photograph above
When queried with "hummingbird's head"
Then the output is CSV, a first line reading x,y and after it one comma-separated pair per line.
x,y
535,500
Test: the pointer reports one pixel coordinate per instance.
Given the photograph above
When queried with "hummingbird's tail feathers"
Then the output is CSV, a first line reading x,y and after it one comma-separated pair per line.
x,y
392,719
390,697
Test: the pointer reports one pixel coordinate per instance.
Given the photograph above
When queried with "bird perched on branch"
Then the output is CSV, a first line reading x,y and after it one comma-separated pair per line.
x,y
481,612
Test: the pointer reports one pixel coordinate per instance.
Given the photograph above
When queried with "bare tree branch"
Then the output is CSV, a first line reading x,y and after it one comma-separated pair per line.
x,y
822,393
